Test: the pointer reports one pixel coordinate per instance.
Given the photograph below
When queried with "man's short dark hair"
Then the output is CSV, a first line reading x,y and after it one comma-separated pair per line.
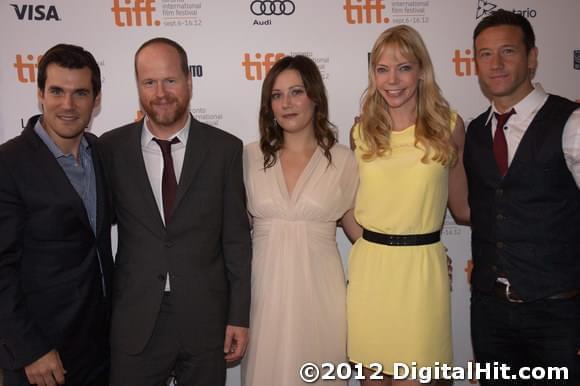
x,y
503,17
182,54
71,57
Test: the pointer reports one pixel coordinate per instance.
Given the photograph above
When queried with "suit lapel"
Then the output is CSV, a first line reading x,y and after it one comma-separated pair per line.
x,y
55,176
99,184
194,155
142,185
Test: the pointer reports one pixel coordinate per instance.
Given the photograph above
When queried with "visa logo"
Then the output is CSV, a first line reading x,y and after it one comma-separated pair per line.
x,y
35,12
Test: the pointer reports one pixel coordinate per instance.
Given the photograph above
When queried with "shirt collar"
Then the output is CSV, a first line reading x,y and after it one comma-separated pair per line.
x,y
53,147
526,106
182,135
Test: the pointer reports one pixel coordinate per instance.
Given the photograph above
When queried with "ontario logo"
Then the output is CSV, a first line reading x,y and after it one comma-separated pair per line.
x,y
134,13
528,12
484,8
26,66
257,65
34,12
365,12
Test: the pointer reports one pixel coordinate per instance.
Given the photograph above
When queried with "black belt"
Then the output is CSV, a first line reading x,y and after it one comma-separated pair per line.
x,y
382,238
505,292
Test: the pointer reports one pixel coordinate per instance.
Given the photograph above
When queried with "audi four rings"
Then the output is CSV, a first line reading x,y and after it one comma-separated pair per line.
x,y
272,7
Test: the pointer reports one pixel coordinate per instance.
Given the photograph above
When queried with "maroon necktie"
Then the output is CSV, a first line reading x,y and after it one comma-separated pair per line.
x,y
500,150
168,181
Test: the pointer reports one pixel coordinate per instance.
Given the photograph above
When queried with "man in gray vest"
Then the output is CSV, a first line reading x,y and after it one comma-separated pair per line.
x,y
522,158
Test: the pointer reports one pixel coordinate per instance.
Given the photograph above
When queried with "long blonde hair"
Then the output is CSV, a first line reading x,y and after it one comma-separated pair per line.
x,y
432,129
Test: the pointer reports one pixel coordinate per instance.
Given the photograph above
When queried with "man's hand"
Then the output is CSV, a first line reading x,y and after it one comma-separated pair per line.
x,y
46,370
235,343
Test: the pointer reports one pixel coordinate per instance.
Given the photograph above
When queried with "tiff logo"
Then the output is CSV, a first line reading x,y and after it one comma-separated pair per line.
x,y
26,70
464,64
128,16
365,11
35,12
258,68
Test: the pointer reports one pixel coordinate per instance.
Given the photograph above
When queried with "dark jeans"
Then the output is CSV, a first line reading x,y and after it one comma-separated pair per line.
x,y
542,333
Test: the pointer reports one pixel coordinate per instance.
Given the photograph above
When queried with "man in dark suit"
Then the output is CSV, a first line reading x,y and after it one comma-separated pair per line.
x,y
182,279
522,158
55,249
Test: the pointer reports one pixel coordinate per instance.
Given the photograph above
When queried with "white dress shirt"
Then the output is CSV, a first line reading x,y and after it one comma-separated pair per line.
x,y
518,123
153,159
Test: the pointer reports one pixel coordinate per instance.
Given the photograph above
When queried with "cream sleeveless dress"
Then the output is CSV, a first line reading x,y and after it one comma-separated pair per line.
x,y
298,310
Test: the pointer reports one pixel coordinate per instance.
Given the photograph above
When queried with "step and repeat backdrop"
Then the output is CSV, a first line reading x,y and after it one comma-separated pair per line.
x,y
232,44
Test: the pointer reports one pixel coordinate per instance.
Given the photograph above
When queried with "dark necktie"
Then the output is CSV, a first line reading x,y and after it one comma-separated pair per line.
x,y
500,150
168,181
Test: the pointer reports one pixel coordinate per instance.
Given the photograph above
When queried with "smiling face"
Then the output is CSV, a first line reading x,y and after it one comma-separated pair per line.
x,y
67,102
292,108
397,79
164,89
505,67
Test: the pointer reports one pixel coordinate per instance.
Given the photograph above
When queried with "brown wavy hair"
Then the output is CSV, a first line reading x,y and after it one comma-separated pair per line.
x,y
271,134
432,129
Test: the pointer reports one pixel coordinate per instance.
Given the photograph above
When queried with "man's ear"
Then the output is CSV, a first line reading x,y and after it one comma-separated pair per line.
x,y
40,96
533,61
97,102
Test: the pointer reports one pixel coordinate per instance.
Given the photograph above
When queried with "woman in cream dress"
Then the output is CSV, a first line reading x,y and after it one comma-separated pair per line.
x,y
299,183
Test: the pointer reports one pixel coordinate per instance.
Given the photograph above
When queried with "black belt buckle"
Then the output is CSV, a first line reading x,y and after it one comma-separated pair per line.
x,y
508,295
504,292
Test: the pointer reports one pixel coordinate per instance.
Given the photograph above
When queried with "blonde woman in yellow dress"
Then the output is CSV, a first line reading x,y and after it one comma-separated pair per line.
x,y
408,145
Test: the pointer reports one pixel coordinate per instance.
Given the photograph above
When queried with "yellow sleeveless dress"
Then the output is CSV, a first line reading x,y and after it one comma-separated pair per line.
x,y
398,300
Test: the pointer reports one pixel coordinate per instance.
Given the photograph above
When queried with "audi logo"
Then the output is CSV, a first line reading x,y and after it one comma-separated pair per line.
x,y
272,7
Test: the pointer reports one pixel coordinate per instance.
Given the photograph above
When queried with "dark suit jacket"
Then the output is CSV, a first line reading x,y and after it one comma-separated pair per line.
x,y
51,295
206,246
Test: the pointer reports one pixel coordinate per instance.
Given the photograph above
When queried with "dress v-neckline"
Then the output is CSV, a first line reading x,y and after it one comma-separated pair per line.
x,y
302,179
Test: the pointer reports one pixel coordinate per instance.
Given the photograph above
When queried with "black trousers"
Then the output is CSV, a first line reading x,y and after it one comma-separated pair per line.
x,y
164,356
543,333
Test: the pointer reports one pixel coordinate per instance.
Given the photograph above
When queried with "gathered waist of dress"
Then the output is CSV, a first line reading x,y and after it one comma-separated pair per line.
x,y
317,227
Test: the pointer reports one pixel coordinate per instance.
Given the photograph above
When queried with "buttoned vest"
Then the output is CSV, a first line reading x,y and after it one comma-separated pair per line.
x,y
526,225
